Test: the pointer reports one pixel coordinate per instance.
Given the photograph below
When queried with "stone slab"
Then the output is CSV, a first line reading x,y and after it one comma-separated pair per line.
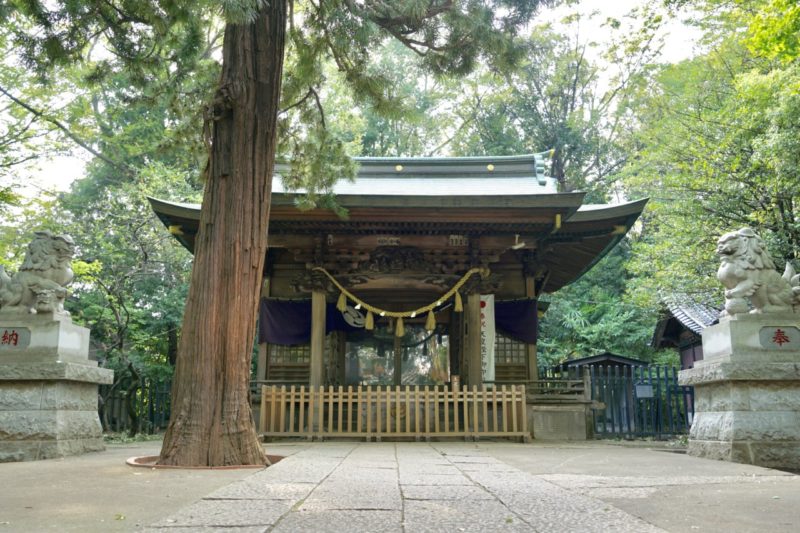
x,y
740,337
258,488
49,340
433,479
558,422
770,454
228,513
439,492
443,515
363,495
44,395
49,425
372,521
196,529
747,392
746,425
728,370
57,370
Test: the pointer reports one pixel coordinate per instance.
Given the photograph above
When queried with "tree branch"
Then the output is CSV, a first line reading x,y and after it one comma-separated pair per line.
x,y
58,124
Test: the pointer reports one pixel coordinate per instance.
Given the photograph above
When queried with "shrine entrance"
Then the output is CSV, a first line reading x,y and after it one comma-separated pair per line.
x,y
419,357
397,294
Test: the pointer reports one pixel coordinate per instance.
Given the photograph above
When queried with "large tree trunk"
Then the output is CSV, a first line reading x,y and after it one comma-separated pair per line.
x,y
211,422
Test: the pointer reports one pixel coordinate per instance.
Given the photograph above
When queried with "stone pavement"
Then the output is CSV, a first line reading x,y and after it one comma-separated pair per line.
x,y
421,487
409,487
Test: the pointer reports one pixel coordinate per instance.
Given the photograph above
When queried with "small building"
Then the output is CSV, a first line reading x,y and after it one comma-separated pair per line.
x,y
432,234
605,360
681,328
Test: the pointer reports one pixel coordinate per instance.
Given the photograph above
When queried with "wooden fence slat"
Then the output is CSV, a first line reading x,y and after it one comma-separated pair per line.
x,y
369,412
262,413
321,413
378,410
290,428
514,400
485,402
301,426
282,420
495,410
464,406
301,412
311,409
416,411
475,405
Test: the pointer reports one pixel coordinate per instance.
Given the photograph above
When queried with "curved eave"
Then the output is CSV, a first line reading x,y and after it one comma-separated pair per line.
x,y
180,219
586,238
586,235
538,210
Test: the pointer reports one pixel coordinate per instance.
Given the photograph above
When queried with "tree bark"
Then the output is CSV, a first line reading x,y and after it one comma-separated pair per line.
x,y
211,422
130,402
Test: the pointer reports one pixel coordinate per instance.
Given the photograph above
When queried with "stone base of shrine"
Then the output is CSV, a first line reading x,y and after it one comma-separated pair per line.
x,y
48,390
559,422
747,392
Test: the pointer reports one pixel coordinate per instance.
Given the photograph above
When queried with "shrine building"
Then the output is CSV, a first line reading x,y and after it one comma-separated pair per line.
x,y
395,293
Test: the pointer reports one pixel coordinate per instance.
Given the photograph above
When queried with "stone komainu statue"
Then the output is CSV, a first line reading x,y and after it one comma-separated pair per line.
x,y
39,286
748,273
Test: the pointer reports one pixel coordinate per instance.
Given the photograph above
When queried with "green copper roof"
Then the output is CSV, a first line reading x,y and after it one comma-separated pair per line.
x,y
448,176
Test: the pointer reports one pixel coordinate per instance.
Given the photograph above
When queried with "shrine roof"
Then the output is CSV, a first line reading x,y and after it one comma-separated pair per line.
x,y
511,202
448,176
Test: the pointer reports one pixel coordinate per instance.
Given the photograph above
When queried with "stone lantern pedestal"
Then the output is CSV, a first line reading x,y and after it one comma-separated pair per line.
x,y
747,391
48,388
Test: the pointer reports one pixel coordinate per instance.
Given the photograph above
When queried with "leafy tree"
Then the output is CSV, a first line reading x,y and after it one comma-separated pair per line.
x,y
131,281
562,99
718,147
211,422
591,316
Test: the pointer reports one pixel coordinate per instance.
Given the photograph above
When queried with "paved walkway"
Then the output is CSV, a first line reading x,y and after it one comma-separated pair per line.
x,y
418,487
408,487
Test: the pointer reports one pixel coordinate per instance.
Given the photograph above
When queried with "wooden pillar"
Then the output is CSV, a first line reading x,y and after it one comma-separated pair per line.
x,y
398,360
472,346
263,348
341,361
532,357
317,370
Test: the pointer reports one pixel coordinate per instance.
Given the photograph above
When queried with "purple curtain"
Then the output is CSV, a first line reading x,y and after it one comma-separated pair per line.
x,y
289,321
518,319
284,321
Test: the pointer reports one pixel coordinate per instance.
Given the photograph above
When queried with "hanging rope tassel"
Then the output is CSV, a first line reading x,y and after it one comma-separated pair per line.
x,y
341,303
369,323
399,330
458,307
430,323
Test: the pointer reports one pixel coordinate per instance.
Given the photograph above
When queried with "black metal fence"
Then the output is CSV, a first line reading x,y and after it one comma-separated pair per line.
x,y
636,402
150,404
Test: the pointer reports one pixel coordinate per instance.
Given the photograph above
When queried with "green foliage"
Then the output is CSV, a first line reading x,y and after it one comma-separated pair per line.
x,y
592,316
775,30
717,147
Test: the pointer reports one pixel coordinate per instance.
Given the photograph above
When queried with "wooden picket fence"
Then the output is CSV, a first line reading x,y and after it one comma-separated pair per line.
x,y
393,412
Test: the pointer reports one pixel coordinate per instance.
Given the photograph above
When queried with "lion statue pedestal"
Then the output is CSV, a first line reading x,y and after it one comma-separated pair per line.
x,y
747,387
48,384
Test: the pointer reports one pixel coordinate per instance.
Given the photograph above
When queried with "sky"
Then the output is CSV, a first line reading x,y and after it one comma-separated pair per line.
x,y
57,174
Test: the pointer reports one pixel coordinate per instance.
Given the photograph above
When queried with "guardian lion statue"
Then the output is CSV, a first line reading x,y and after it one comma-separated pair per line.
x,y
39,286
748,273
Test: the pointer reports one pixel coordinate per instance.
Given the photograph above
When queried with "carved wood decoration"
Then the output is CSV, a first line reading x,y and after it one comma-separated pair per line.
x,y
392,267
396,259
312,281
